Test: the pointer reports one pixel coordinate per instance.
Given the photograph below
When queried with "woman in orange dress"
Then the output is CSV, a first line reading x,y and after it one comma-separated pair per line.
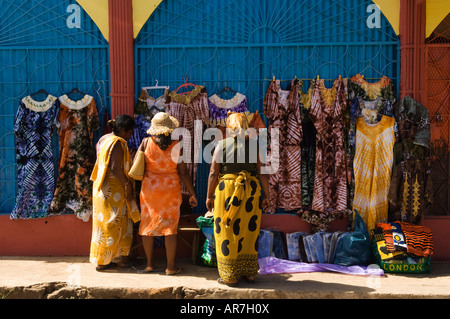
x,y
160,195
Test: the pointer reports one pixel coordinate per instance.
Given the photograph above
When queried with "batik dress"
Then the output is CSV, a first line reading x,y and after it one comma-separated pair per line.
x,y
281,107
410,191
34,126
372,167
330,179
237,214
113,215
308,146
78,121
368,100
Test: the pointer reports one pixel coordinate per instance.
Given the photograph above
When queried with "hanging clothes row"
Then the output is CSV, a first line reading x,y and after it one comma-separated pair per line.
x,y
352,137
34,126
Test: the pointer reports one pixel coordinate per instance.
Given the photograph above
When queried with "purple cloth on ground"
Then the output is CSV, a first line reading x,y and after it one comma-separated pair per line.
x,y
271,265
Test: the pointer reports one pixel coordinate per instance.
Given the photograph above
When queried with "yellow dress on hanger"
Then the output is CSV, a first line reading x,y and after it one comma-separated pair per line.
x,y
372,168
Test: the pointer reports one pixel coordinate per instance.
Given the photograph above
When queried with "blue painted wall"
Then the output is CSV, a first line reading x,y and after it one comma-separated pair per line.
x,y
38,50
243,44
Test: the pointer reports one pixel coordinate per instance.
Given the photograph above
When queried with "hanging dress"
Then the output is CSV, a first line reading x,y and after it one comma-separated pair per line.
x,y
308,146
34,126
219,108
330,181
282,110
113,215
78,121
146,107
187,109
372,167
160,195
410,191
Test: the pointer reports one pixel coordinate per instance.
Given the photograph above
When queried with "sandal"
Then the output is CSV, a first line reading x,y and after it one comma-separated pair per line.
x,y
106,267
249,279
149,271
229,284
176,272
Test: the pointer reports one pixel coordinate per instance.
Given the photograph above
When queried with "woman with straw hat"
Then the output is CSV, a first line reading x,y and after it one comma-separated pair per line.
x,y
160,195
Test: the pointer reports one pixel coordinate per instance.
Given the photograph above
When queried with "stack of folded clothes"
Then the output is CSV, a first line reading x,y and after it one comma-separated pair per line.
x,y
401,247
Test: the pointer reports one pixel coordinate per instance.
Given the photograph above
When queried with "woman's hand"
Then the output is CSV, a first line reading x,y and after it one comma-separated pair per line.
x,y
193,201
129,191
210,204
265,203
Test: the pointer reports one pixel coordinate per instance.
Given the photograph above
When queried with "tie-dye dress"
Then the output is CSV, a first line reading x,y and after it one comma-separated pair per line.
x,y
372,166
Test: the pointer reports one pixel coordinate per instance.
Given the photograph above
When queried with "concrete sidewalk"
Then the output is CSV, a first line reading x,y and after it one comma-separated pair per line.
x,y
76,278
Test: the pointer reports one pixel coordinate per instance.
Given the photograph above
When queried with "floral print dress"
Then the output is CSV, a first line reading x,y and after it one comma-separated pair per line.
x,y
78,121
34,126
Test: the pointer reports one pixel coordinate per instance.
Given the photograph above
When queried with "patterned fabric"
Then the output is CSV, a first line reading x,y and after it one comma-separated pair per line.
x,y
359,87
371,101
330,183
388,235
414,130
218,108
73,194
34,126
160,195
113,215
372,167
146,107
308,146
237,219
186,109
282,111
411,191
419,239
142,124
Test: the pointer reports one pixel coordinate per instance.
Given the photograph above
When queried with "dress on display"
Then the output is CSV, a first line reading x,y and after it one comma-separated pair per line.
x,y
372,168
281,107
218,109
330,182
188,108
411,191
146,107
308,146
371,101
78,121
34,126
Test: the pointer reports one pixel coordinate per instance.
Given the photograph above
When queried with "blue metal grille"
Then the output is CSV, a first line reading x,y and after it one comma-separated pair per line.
x,y
243,44
38,50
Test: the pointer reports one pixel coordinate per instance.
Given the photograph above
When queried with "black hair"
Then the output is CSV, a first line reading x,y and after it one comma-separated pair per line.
x,y
123,121
163,141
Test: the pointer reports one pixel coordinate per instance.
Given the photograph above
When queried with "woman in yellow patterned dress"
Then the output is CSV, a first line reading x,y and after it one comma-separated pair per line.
x,y
372,167
234,192
114,205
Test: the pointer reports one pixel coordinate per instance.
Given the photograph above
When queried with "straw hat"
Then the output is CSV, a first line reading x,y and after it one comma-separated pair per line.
x,y
163,123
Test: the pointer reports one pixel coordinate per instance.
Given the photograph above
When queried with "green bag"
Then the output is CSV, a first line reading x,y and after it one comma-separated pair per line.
x,y
401,263
207,254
